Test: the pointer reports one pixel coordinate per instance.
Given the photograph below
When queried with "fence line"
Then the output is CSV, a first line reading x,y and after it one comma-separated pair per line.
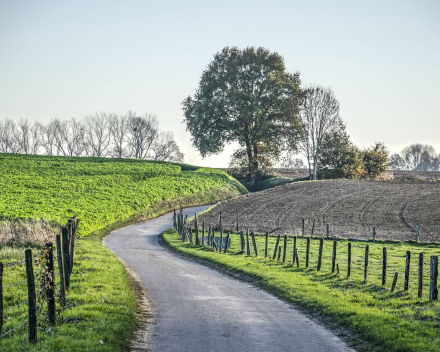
x,y
360,264
45,278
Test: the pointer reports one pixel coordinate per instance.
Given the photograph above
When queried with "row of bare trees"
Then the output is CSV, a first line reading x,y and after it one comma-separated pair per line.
x,y
100,135
417,157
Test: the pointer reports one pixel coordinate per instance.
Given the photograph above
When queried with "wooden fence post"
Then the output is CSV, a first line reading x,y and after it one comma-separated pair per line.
x,y
302,228
254,243
1,297
321,245
433,290
197,236
367,251
393,285
334,256
285,248
279,253
50,292
276,247
294,247
313,228
221,240
61,270
349,259
384,265
407,265
66,259
71,244
226,243
203,232
266,244
248,245
297,257
32,300
420,288
307,252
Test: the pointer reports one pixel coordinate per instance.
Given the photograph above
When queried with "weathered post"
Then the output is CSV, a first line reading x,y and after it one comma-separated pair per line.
x,y
384,265
197,236
321,245
203,232
248,245
302,228
417,232
242,242
433,290
294,247
349,259
1,297
420,288
266,244
61,270
307,252
407,265
221,240
254,243
393,285
279,253
313,228
297,257
367,251
334,256
50,292
32,299
66,259
276,247
226,243
285,248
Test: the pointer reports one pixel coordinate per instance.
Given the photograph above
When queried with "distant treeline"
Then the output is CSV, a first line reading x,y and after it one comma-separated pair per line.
x,y
101,135
416,157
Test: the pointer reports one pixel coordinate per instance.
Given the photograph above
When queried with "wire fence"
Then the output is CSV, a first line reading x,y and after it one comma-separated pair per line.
x,y
367,261
41,280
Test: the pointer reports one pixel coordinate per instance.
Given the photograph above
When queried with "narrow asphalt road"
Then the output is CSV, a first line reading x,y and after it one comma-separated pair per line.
x,y
196,308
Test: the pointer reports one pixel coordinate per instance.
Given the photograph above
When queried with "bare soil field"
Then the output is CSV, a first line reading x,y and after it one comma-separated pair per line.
x,y
351,208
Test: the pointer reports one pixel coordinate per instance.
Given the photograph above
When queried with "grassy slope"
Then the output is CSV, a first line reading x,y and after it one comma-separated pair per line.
x,y
101,294
384,321
270,182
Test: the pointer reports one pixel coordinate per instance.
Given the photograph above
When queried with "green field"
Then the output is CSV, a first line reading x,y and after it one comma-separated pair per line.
x,y
374,318
105,194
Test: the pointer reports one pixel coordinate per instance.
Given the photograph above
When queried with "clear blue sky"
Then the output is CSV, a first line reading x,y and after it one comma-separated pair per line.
x,y
60,59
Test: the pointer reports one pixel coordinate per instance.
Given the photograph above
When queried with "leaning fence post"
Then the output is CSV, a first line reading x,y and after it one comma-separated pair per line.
x,y
254,243
321,245
433,290
248,246
276,247
32,301
279,253
285,248
296,257
307,252
221,240
50,292
349,259
313,228
407,265
334,256
66,260
61,270
226,242
1,297
265,246
367,251
393,285
420,288
384,265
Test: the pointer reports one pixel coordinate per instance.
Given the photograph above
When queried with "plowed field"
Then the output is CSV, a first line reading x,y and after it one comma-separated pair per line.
x,y
351,208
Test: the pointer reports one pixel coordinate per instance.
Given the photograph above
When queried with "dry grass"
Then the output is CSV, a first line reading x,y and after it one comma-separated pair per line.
x,y
27,232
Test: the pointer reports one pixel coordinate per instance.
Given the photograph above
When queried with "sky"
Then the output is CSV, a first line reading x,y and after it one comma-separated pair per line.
x,y
62,59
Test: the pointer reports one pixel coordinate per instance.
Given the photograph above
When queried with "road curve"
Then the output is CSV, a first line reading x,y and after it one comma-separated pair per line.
x,y
197,309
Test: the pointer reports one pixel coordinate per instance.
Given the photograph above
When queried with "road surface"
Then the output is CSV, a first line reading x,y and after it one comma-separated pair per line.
x,y
197,309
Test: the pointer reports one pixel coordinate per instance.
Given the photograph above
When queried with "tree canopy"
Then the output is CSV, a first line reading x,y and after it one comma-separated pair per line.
x,y
246,96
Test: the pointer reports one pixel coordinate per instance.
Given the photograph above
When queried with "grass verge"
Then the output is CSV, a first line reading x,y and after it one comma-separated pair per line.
x,y
367,312
103,312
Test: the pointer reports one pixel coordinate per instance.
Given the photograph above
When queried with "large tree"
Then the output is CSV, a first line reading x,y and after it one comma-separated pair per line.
x,y
245,96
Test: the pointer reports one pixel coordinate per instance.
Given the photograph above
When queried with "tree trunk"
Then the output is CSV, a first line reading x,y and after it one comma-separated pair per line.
x,y
250,159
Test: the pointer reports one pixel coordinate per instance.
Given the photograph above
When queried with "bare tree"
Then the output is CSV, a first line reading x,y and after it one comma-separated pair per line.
x,y
8,142
143,133
97,134
47,136
119,131
24,134
320,116
165,148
